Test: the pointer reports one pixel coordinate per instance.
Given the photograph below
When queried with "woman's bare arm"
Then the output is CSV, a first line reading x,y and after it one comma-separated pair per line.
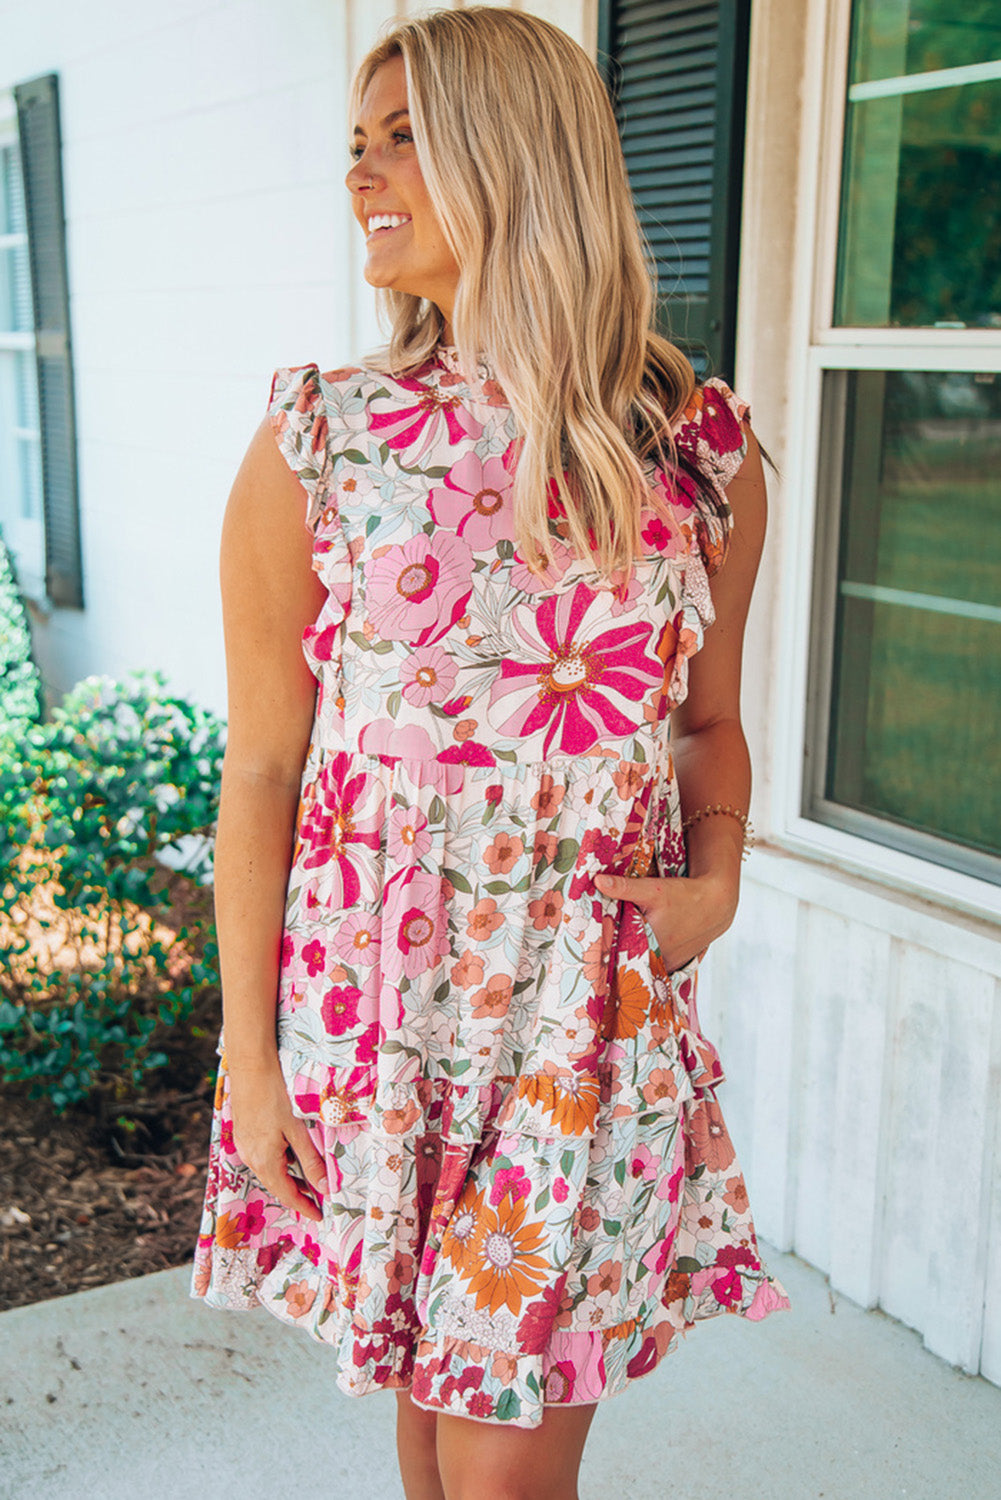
x,y
709,749
270,594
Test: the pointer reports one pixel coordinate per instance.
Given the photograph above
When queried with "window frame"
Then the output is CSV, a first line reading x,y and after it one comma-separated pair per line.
x,y
24,537
805,608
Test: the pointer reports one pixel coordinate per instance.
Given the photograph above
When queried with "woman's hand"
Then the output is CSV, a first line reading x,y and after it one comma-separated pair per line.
x,y
685,912
265,1130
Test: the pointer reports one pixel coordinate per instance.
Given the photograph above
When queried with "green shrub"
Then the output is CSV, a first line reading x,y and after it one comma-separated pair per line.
x,y
110,812
20,684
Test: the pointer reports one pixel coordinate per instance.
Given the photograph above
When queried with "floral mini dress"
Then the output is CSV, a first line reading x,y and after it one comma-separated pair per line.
x,y
532,1189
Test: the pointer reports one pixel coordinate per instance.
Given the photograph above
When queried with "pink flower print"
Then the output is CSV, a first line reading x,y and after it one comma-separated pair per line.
x,y
340,832
580,676
252,1221
509,1180
643,1164
624,594
314,956
415,933
656,1259
408,839
669,1188
288,952
359,939
475,501
658,534
559,557
367,1045
719,426
560,1189
433,418
607,1278
428,676
539,1318
417,589
340,1009
299,1298
766,1300
412,742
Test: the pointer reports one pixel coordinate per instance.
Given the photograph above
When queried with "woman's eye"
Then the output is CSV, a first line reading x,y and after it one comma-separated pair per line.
x,y
404,136
355,152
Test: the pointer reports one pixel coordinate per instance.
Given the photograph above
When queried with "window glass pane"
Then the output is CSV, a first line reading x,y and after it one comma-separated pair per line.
x,y
921,194
916,684
15,275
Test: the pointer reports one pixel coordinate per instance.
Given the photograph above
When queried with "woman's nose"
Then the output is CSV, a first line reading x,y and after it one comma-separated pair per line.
x,y
360,176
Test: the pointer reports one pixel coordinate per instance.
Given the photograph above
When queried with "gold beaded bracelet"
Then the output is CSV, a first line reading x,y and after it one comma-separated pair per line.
x,y
729,812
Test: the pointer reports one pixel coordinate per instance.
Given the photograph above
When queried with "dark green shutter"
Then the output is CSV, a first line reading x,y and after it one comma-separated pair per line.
x,y
41,168
677,74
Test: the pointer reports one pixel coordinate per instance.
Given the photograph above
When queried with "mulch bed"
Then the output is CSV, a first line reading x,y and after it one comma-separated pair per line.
x,y
85,1201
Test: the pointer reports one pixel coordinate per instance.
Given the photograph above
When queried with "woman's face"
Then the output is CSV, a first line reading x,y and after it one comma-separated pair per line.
x,y
406,249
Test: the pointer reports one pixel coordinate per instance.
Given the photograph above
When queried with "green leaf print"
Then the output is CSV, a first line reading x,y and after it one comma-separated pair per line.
x,y
508,1407
688,1264
532,1383
566,1163
619,1172
436,812
459,881
566,855
372,524
497,887
354,456
541,1200
394,703
612,1227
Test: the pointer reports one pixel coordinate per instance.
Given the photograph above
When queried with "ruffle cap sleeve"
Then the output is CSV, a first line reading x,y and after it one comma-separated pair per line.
x,y
298,413
710,435
299,421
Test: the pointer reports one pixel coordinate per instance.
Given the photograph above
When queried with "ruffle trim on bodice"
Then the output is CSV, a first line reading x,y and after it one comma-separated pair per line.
x,y
299,421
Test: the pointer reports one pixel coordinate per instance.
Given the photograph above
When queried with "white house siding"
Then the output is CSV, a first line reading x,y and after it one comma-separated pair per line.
x,y
858,1014
209,241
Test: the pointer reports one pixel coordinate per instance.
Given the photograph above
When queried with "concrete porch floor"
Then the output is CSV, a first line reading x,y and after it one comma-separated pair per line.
x,y
135,1392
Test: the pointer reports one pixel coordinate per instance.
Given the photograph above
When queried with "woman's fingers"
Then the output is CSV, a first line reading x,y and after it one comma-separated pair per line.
x,y
312,1163
273,1173
288,1192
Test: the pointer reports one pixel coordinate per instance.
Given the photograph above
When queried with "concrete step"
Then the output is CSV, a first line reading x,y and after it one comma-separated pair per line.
x,y
135,1392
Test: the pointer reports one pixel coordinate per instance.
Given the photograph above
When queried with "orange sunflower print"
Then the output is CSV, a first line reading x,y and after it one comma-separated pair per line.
x,y
508,1267
459,1239
633,999
569,1099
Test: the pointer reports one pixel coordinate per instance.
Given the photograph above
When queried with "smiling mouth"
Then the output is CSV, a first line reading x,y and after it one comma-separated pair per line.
x,y
381,226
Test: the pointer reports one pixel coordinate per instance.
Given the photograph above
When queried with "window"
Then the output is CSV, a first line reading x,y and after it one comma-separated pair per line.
x,y
20,453
906,656
38,495
677,73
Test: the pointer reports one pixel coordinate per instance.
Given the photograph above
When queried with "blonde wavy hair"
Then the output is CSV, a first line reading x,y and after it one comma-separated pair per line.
x,y
520,153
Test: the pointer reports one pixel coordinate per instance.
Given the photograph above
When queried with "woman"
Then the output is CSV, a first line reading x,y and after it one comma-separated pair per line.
x,y
478,1151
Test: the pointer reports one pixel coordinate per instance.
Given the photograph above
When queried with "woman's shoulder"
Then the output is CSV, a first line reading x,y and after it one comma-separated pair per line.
x,y
710,431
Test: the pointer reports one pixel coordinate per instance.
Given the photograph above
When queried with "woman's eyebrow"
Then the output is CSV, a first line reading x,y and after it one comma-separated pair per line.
x,y
387,121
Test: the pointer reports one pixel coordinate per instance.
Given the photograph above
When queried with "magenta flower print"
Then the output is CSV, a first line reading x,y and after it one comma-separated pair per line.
x,y
475,501
418,589
340,1009
339,833
414,930
428,676
432,420
582,678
